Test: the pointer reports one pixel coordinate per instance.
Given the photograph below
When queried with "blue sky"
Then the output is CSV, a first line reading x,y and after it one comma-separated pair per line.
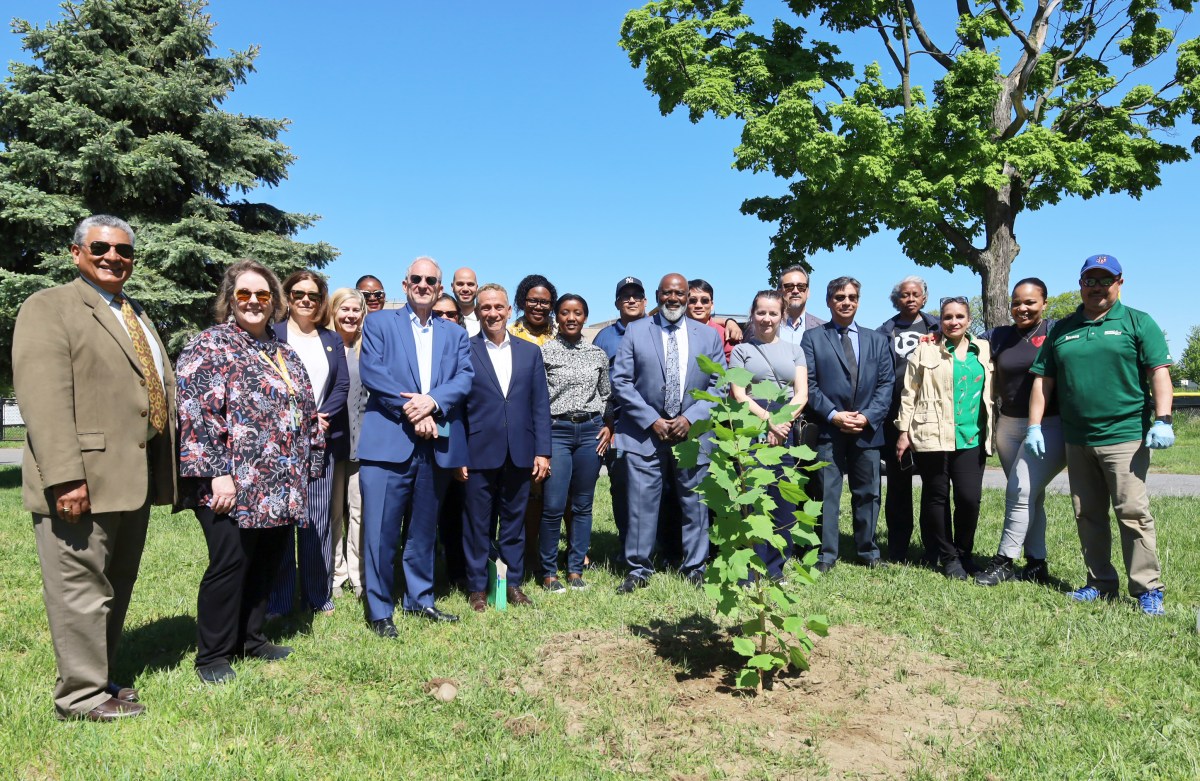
x,y
515,138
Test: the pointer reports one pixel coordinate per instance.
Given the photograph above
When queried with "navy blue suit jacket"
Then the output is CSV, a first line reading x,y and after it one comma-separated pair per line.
x,y
337,388
388,368
829,386
516,426
639,381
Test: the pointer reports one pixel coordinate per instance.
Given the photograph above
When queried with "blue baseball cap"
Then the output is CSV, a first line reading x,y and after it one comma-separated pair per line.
x,y
631,282
1106,262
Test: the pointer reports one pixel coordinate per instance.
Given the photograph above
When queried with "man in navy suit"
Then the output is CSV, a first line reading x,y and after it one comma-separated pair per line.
x,y
418,371
508,435
850,379
653,375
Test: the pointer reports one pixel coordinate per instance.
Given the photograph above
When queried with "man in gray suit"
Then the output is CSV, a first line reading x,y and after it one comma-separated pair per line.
x,y
653,375
98,397
850,378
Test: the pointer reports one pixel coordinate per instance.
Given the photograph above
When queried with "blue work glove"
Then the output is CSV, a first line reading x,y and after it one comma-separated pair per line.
x,y
1035,443
1160,435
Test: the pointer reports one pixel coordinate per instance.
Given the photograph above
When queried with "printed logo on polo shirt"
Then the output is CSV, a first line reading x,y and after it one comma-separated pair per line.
x,y
1069,337
1113,333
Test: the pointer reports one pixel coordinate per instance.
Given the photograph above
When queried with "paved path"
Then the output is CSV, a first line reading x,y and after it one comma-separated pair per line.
x,y
10,455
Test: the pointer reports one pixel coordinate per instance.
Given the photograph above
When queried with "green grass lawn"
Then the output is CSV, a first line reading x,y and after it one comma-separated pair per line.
x,y
1090,691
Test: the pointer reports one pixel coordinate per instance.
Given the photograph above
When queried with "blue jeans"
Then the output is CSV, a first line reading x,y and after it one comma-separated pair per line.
x,y
575,465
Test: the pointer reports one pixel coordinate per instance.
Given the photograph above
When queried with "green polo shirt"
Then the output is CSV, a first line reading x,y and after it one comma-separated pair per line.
x,y
1099,369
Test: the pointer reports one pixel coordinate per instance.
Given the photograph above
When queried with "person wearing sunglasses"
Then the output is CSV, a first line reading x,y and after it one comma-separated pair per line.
x,y
417,369
793,284
347,309
323,354
850,378
701,300
372,291
98,398
946,419
447,308
249,446
904,331
535,299
1110,367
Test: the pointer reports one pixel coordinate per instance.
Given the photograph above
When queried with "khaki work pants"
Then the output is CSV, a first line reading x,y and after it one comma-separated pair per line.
x,y
1114,475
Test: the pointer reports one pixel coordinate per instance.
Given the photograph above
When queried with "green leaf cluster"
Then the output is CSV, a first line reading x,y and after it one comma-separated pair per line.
x,y
953,136
119,112
741,467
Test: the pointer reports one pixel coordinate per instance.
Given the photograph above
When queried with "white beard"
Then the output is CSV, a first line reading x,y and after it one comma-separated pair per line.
x,y
672,315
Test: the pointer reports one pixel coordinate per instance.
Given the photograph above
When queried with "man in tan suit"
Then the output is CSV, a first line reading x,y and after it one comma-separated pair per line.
x,y
97,394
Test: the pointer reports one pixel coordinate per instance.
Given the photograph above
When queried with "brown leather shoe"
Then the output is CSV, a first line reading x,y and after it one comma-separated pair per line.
x,y
113,709
478,601
517,597
123,693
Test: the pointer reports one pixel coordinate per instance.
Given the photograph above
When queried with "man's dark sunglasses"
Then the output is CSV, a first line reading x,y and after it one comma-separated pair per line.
x,y
800,286
101,248
416,279
1094,281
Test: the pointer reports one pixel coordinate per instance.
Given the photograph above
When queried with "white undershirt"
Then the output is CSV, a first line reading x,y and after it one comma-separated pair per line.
x,y
423,336
501,355
312,354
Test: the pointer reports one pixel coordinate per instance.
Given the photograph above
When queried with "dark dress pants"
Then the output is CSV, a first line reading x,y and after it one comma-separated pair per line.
x,y
898,506
948,536
450,530
495,497
861,468
232,604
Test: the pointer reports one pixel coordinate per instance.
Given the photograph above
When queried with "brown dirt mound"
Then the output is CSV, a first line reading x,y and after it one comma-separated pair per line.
x,y
659,701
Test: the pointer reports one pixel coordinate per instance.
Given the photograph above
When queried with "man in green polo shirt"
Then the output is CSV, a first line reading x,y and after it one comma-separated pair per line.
x,y
1106,360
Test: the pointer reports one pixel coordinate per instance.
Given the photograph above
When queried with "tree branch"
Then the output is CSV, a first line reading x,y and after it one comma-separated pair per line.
x,y
931,48
1017,31
960,243
882,30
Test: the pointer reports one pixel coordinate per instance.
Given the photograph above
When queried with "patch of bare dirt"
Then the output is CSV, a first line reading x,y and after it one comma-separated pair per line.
x,y
661,697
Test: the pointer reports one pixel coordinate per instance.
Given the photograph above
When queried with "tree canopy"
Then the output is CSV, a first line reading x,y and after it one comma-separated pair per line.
x,y
1020,107
1188,366
119,112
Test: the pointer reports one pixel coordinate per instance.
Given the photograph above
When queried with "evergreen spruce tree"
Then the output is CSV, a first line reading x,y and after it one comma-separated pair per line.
x,y
119,112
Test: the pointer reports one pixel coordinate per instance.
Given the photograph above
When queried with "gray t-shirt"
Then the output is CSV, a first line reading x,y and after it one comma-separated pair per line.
x,y
782,359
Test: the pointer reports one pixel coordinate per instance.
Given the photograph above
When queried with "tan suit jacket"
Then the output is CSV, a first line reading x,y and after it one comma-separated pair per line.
x,y
80,389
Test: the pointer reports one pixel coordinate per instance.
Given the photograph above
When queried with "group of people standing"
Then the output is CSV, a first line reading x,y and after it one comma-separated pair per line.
x,y
323,435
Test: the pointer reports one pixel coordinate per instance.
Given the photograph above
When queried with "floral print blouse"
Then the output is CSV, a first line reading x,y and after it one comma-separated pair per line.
x,y
240,415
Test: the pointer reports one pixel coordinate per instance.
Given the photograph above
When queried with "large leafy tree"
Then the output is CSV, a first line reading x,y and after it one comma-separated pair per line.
x,y
1188,365
119,112
1024,105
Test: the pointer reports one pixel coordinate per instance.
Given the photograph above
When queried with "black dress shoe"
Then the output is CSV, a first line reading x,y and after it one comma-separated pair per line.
x,y
875,564
432,613
269,652
113,709
631,584
823,566
220,672
122,693
384,627
696,578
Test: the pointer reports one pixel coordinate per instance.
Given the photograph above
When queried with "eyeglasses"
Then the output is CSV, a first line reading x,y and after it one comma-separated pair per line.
x,y
99,248
538,303
372,295
801,286
631,297
955,300
448,314
261,296
840,297
699,300
1101,281
417,279
311,295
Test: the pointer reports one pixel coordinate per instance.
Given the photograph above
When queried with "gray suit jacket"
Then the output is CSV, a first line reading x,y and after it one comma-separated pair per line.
x,y
85,403
639,380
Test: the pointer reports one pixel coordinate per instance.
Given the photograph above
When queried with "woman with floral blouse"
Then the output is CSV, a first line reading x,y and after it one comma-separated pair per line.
x,y
577,373
249,441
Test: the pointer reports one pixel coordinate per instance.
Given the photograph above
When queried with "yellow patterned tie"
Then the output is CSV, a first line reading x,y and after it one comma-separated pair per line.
x,y
158,398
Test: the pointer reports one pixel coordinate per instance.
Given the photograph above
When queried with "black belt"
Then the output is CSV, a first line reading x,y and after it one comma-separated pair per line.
x,y
576,417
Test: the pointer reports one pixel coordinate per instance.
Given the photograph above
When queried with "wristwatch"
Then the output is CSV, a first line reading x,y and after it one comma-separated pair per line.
x,y
1163,419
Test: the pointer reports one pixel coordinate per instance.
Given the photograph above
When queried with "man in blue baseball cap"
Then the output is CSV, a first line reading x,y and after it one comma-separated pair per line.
x,y
1111,367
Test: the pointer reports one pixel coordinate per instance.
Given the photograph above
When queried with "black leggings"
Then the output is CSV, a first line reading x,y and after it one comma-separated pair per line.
x,y
949,536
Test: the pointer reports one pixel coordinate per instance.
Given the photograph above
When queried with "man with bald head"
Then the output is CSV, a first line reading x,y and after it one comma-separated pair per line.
x,y
464,289
653,375
418,371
